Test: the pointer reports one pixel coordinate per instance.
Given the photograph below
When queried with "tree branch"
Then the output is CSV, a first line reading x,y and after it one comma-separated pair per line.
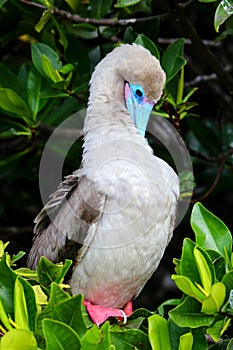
x,y
14,231
223,76
217,178
98,22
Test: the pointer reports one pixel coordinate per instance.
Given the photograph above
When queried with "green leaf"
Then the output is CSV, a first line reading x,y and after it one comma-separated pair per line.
x,y
2,2
39,49
33,90
70,313
187,266
172,60
126,3
222,13
214,301
49,272
203,268
186,341
18,256
97,338
52,94
57,296
129,339
43,20
4,318
100,8
49,71
218,328
20,306
188,287
199,339
67,68
144,41
188,314
10,80
59,336
7,282
18,339
228,282
13,103
210,231
158,333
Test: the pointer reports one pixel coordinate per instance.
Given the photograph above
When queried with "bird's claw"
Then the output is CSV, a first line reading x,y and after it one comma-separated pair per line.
x,y
99,314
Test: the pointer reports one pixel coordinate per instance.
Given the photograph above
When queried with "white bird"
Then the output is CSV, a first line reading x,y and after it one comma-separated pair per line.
x,y
115,215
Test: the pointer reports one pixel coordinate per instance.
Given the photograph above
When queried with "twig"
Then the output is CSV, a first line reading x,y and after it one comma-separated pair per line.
x,y
168,41
203,50
201,156
13,231
216,180
98,22
201,79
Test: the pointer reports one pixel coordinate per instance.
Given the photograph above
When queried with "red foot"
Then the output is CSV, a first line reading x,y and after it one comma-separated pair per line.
x,y
99,314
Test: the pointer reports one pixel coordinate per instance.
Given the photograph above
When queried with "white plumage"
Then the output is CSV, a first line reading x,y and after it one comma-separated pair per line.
x,y
115,215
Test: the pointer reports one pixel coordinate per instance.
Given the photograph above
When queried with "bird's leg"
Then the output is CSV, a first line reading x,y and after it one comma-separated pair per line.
x,y
99,313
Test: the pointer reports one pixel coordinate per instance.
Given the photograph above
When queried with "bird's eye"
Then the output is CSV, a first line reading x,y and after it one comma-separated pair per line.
x,y
138,93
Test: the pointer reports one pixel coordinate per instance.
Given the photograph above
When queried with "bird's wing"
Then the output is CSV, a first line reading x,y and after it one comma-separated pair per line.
x,y
66,225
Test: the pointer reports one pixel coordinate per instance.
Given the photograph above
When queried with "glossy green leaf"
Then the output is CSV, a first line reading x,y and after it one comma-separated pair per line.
x,y
203,268
188,314
10,80
14,104
158,333
214,301
2,2
67,68
144,41
100,8
188,287
49,70
7,282
4,318
186,341
218,262
210,231
20,306
46,15
129,338
228,282
46,94
57,296
59,336
30,302
70,313
18,339
33,90
97,338
199,339
38,50
218,327
172,60
187,266
49,272
125,3
222,13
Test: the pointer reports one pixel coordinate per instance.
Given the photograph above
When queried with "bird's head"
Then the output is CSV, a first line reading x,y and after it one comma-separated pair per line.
x,y
133,76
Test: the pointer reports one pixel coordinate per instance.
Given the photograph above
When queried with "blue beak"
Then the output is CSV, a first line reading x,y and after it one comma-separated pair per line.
x,y
138,105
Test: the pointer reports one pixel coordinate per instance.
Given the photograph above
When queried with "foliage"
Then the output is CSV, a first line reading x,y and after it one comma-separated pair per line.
x,y
49,49
38,311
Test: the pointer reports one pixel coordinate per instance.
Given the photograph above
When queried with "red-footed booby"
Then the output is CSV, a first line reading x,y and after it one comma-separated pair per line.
x,y
115,215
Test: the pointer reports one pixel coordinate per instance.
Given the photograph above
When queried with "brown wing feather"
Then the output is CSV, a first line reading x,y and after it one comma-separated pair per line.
x,y
64,223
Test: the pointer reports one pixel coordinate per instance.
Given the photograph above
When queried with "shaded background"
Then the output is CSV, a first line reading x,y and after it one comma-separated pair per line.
x,y
208,135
